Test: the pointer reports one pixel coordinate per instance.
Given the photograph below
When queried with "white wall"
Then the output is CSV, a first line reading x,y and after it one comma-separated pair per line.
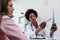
x,y
44,9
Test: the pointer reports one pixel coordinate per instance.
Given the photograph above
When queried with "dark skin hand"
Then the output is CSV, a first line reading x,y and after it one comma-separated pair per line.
x,y
41,26
53,29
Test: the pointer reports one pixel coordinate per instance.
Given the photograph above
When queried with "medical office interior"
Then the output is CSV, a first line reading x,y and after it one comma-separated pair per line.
x,y
45,10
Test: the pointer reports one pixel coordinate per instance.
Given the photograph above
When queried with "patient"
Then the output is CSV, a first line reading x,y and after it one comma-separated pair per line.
x,y
8,29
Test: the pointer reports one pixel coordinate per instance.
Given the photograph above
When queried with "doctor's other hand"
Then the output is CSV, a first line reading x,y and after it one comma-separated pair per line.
x,y
53,29
42,25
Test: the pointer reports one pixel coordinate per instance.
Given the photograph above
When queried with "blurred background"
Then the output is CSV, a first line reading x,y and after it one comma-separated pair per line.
x,y
44,9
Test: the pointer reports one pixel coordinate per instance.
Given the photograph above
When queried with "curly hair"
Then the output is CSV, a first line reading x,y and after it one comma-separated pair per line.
x,y
28,12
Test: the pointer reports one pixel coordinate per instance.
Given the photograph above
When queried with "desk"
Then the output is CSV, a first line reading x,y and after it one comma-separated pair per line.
x,y
55,38
44,39
37,39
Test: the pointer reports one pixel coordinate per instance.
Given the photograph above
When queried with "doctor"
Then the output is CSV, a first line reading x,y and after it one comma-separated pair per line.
x,y
34,29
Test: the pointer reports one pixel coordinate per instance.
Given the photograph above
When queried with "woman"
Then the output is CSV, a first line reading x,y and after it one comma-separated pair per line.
x,y
8,29
34,29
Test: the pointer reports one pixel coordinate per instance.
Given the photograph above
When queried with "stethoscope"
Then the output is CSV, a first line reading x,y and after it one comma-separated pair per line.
x,y
32,26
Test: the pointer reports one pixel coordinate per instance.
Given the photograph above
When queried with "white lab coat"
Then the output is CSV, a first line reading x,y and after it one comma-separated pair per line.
x,y
31,34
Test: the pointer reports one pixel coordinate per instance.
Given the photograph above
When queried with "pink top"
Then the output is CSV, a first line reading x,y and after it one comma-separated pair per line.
x,y
10,31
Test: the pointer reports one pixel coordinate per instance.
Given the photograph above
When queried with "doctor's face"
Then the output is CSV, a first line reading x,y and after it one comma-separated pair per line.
x,y
32,18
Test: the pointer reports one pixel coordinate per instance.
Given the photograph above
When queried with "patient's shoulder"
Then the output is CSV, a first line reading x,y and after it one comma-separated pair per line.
x,y
5,16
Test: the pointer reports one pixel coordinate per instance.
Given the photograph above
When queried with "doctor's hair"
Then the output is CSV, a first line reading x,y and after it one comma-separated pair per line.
x,y
3,8
29,11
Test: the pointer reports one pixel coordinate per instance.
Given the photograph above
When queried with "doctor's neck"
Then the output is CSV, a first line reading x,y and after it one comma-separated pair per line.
x,y
34,23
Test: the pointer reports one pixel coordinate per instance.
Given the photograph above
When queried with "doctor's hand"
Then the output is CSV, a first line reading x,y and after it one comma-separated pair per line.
x,y
42,25
53,29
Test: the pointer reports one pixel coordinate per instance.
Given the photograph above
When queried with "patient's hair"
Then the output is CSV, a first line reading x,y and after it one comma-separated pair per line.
x,y
3,8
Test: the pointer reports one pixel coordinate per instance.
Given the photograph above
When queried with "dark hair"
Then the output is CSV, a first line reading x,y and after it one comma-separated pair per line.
x,y
0,11
28,12
3,8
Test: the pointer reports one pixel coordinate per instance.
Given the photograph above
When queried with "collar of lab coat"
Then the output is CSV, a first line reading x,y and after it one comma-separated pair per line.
x,y
33,25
